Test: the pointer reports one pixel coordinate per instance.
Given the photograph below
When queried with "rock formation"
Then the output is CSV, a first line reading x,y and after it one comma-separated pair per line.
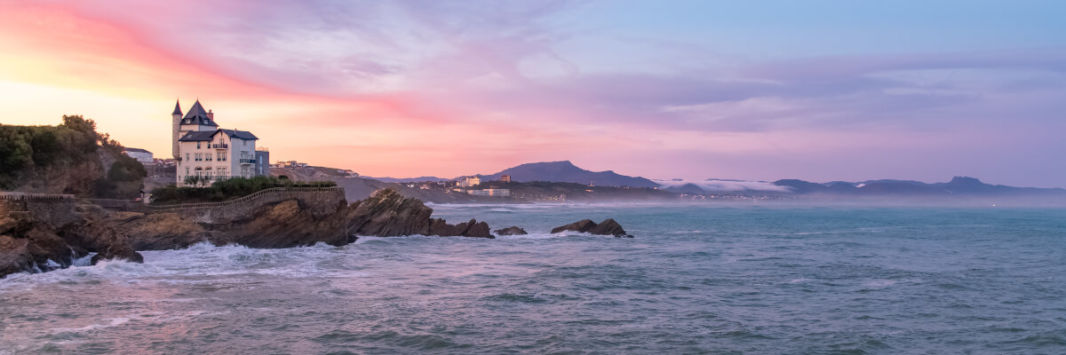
x,y
582,226
61,232
607,227
512,230
45,236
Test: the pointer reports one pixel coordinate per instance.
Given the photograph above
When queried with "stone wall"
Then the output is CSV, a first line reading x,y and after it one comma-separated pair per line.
x,y
54,209
320,201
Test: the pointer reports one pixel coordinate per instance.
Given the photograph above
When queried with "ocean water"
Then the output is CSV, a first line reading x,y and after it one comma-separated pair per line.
x,y
696,279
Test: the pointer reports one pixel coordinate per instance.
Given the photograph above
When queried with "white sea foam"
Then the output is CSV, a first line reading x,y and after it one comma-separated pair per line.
x,y
111,322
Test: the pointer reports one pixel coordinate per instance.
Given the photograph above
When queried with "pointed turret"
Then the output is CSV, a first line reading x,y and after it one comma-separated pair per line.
x,y
177,108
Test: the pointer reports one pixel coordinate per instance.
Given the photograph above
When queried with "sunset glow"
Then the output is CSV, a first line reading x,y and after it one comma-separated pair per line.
x,y
430,88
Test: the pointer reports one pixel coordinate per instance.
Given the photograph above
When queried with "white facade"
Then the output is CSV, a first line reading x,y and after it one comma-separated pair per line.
x,y
222,157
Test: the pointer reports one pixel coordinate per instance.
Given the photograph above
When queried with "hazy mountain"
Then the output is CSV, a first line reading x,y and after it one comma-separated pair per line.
x,y
565,171
958,186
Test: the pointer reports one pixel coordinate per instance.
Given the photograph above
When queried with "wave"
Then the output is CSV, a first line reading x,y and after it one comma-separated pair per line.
x,y
198,261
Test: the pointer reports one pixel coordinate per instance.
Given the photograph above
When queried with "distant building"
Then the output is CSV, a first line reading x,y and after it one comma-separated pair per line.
x,y
490,192
291,164
505,178
469,181
141,155
262,162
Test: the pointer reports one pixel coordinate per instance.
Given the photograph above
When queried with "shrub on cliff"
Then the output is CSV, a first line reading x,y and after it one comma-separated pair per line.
x,y
68,158
226,189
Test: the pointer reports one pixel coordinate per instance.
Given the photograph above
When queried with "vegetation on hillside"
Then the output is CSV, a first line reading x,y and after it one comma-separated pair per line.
x,y
68,158
226,189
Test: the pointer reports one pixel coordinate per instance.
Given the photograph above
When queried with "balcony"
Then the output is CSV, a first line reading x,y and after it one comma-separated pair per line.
x,y
247,161
220,146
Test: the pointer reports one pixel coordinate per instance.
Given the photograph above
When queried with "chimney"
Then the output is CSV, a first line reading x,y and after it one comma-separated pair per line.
x,y
211,114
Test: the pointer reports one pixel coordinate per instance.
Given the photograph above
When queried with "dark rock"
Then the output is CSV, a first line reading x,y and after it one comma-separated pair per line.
x,y
102,237
27,244
477,229
285,224
512,230
472,228
118,251
440,227
607,227
386,213
581,226
159,231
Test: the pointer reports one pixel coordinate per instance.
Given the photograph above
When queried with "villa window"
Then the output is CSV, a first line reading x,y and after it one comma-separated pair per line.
x,y
186,156
197,145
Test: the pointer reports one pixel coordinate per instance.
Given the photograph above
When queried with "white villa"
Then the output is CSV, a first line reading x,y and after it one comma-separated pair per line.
x,y
202,149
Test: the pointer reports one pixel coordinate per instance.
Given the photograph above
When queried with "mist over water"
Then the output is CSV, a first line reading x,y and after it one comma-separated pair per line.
x,y
697,278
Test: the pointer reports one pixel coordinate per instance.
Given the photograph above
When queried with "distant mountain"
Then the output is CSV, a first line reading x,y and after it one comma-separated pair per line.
x,y
565,171
958,186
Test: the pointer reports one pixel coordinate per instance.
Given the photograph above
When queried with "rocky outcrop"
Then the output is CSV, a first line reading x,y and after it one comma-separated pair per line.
x,y
607,227
159,231
581,226
512,230
103,238
285,224
45,237
31,241
31,246
473,228
386,213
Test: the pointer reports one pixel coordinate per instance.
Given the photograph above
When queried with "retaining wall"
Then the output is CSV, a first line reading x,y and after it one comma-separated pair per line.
x,y
320,200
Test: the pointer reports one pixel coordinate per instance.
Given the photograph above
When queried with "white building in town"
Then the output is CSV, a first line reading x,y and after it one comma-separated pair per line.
x,y
202,149
490,192
469,181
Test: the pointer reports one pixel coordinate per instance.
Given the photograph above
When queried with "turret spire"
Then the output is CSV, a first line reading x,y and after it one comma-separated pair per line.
x,y
177,108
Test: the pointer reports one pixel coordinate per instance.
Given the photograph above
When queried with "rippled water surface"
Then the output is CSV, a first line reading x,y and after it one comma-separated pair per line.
x,y
696,279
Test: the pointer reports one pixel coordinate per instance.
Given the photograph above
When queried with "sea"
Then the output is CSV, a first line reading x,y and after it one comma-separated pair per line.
x,y
697,278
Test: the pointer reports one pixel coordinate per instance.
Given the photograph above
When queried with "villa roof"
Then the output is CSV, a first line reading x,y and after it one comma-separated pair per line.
x,y
177,108
198,136
136,150
207,136
245,135
197,116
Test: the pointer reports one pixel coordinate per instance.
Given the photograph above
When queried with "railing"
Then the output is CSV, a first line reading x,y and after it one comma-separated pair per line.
x,y
242,199
117,204
247,161
26,196
220,146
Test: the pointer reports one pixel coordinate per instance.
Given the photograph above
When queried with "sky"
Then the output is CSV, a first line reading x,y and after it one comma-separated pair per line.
x,y
759,90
